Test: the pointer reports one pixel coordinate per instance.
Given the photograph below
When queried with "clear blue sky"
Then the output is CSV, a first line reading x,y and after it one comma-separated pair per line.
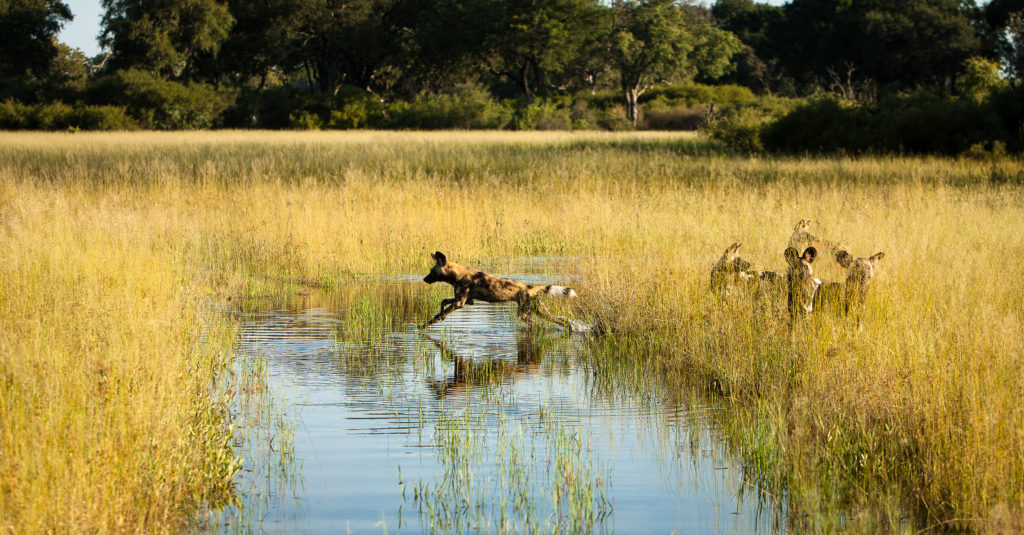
x,y
82,31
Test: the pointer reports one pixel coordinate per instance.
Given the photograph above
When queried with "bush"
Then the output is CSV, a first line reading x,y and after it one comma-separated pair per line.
x,y
741,130
675,117
163,105
60,116
543,114
467,107
15,115
693,95
614,119
355,108
304,120
921,123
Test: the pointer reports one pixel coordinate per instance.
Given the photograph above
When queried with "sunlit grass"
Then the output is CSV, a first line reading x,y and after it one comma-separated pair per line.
x,y
114,242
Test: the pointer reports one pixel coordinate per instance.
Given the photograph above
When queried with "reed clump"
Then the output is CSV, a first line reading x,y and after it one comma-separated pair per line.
x,y
116,242
108,421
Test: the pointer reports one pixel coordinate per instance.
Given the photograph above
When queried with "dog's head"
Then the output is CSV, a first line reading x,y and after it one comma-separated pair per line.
x,y
440,269
859,271
801,236
798,261
730,262
802,283
730,265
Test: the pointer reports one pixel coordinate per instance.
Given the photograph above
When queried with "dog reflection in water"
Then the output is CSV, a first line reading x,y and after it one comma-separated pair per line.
x,y
469,372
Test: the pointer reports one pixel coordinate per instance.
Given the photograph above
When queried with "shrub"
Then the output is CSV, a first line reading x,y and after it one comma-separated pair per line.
x,y
614,119
305,120
101,118
355,108
542,114
920,123
741,130
61,116
161,104
582,117
467,107
691,95
14,115
675,117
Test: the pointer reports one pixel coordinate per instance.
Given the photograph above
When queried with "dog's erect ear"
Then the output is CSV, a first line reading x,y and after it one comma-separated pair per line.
x,y
438,257
730,252
844,258
809,255
875,258
791,255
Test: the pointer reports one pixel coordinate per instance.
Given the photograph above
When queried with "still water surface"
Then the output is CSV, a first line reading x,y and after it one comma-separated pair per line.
x,y
368,420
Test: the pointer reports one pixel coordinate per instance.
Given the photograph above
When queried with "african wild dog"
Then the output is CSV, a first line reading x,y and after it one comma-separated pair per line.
x,y
801,281
732,271
470,284
850,295
729,269
801,239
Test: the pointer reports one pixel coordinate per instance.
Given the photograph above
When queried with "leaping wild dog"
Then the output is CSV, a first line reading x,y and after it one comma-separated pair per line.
x,y
470,285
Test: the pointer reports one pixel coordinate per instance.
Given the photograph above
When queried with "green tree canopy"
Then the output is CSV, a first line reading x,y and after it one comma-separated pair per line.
x,y
166,37
661,41
28,39
901,45
533,43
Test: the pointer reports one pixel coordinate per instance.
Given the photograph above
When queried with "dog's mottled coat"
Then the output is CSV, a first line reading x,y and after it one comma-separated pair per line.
x,y
472,285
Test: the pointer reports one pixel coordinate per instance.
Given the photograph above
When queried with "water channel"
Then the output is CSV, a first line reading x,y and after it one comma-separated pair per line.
x,y
478,424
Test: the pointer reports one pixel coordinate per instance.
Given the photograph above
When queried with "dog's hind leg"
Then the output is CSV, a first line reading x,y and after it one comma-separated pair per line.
x,y
543,312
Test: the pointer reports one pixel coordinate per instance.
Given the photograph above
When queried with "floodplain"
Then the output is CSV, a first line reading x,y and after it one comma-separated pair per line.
x,y
137,393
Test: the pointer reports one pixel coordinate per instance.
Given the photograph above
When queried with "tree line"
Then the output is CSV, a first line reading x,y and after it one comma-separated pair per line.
x,y
402,63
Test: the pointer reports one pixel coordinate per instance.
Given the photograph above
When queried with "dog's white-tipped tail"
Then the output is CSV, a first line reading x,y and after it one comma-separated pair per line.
x,y
560,291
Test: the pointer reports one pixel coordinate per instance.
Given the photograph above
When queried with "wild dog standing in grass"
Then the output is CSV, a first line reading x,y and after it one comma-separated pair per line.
x,y
729,269
801,281
801,238
850,295
470,284
732,271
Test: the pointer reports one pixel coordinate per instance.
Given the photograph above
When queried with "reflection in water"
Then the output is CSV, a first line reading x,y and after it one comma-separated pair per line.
x,y
375,401
469,372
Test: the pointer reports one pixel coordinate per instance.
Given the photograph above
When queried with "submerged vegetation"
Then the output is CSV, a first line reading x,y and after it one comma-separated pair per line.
x,y
113,414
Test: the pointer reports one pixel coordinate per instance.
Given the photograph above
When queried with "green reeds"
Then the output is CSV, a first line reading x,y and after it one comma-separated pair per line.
x,y
513,477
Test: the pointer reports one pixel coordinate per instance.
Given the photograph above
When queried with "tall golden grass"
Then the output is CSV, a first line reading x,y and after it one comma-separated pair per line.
x,y
115,241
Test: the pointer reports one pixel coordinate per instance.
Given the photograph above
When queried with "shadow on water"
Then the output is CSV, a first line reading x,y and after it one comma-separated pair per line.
x,y
479,424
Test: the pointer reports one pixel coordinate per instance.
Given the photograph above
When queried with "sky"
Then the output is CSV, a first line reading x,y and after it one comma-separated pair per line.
x,y
82,31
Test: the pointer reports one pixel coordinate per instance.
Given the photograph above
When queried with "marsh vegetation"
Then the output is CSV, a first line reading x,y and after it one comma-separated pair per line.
x,y
119,379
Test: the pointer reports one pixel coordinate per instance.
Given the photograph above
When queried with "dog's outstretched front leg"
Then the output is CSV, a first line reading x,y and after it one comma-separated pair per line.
x,y
447,307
